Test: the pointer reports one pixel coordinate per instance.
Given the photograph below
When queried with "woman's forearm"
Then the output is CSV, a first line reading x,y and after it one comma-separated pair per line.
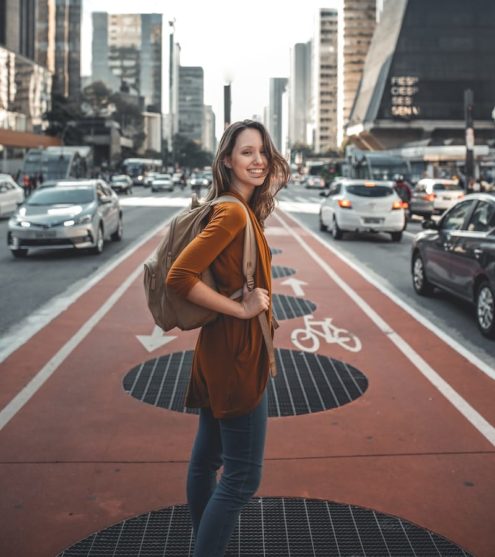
x,y
203,295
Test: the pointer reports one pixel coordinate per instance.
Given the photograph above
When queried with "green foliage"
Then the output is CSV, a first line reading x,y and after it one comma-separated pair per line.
x,y
187,153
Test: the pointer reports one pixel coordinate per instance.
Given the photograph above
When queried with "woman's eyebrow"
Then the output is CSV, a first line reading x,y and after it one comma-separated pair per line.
x,y
250,147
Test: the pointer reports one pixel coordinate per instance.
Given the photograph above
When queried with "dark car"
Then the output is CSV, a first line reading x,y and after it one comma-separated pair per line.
x,y
457,254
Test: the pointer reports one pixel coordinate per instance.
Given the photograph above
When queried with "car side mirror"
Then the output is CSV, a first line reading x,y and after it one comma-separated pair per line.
x,y
429,225
324,193
103,200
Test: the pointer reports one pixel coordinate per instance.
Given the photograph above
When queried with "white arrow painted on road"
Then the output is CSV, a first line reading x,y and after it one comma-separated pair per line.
x,y
156,340
296,285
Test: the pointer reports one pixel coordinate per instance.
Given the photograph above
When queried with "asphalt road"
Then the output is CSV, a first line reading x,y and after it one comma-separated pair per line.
x,y
29,286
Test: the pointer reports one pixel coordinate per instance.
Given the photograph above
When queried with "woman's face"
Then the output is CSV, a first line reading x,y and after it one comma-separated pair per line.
x,y
248,162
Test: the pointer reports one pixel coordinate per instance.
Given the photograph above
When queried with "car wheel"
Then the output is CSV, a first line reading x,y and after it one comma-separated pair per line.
x,y
396,236
336,231
21,252
485,310
119,233
421,284
100,241
323,227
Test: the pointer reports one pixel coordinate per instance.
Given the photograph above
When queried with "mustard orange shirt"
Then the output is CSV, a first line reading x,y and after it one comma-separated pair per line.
x,y
230,366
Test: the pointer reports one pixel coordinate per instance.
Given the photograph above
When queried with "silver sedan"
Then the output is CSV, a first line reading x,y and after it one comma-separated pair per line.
x,y
81,215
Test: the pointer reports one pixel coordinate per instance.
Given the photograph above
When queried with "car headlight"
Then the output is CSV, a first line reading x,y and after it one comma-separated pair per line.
x,y
84,219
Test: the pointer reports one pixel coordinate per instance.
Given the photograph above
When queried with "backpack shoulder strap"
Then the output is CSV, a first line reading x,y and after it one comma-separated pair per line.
x,y
250,248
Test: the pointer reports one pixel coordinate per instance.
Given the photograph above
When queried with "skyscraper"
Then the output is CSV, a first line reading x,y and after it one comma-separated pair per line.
x,y
278,86
358,22
299,93
127,48
191,102
325,81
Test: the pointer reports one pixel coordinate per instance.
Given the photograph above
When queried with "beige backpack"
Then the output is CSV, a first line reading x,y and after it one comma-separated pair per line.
x,y
170,310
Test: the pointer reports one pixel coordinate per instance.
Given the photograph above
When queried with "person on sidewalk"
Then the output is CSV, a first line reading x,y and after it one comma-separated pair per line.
x,y
231,365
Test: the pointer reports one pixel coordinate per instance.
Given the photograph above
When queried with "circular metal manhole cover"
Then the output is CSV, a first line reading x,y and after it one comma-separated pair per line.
x,y
279,271
275,527
275,251
289,307
305,383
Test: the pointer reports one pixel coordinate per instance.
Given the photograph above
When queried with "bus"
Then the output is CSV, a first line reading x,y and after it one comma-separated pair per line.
x,y
58,163
138,168
375,165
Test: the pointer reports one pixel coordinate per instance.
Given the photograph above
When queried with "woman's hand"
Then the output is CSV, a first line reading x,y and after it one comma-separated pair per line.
x,y
254,302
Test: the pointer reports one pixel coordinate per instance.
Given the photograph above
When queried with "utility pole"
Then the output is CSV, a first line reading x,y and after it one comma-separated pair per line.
x,y
468,113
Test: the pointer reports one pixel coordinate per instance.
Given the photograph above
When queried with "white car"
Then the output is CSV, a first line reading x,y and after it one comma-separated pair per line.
x,y
434,195
362,206
11,195
122,183
162,182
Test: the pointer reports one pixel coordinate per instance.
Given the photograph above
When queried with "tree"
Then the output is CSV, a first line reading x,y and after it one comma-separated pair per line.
x,y
189,154
64,111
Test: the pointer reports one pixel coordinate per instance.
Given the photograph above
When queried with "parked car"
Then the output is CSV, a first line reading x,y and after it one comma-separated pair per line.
x,y
457,254
122,183
81,214
362,206
431,195
162,182
314,182
11,195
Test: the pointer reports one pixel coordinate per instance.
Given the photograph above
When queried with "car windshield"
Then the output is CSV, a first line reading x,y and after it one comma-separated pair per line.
x,y
62,196
370,191
162,177
448,187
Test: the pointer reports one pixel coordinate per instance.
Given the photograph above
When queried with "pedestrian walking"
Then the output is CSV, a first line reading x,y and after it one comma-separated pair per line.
x,y
231,365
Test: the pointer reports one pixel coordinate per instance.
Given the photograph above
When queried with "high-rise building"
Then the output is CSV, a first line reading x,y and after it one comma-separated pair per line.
x,y
324,104
191,103
278,86
58,43
127,49
299,93
209,138
422,58
25,86
359,21
173,84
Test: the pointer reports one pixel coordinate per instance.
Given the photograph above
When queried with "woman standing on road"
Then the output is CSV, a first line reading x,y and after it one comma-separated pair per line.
x,y
230,365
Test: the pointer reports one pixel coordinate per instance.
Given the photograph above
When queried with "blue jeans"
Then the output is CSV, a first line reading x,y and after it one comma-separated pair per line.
x,y
238,444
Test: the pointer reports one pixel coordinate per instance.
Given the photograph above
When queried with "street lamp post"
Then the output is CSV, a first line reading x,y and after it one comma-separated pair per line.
x,y
468,113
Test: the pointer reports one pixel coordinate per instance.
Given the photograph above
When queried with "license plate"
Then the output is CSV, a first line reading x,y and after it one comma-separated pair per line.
x,y
447,198
372,221
46,234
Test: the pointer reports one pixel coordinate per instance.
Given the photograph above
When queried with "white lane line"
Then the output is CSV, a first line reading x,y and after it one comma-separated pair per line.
x,y
19,335
11,409
487,369
482,425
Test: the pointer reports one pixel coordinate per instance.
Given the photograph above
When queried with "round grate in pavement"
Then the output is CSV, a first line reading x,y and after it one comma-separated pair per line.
x,y
275,251
279,271
289,307
275,527
305,383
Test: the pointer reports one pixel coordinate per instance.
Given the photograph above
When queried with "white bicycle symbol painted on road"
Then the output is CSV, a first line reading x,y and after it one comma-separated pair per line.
x,y
307,339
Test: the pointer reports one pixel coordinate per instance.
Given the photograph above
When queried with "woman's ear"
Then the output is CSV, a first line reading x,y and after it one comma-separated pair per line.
x,y
227,163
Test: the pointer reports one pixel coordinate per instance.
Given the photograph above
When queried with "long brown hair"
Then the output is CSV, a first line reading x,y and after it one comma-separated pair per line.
x,y
262,201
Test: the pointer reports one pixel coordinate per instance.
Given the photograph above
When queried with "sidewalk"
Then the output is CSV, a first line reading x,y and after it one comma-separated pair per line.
x,y
403,429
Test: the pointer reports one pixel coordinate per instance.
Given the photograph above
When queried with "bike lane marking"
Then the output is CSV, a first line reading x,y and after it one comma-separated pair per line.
x,y
466,409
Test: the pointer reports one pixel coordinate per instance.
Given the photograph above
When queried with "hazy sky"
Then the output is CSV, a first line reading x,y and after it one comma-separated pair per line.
x,y
245,42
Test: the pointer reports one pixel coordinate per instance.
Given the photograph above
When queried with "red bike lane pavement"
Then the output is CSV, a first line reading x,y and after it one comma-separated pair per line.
x,y
78,453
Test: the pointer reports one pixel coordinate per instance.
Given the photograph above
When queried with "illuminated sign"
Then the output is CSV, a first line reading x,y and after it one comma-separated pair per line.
x,y
403,90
